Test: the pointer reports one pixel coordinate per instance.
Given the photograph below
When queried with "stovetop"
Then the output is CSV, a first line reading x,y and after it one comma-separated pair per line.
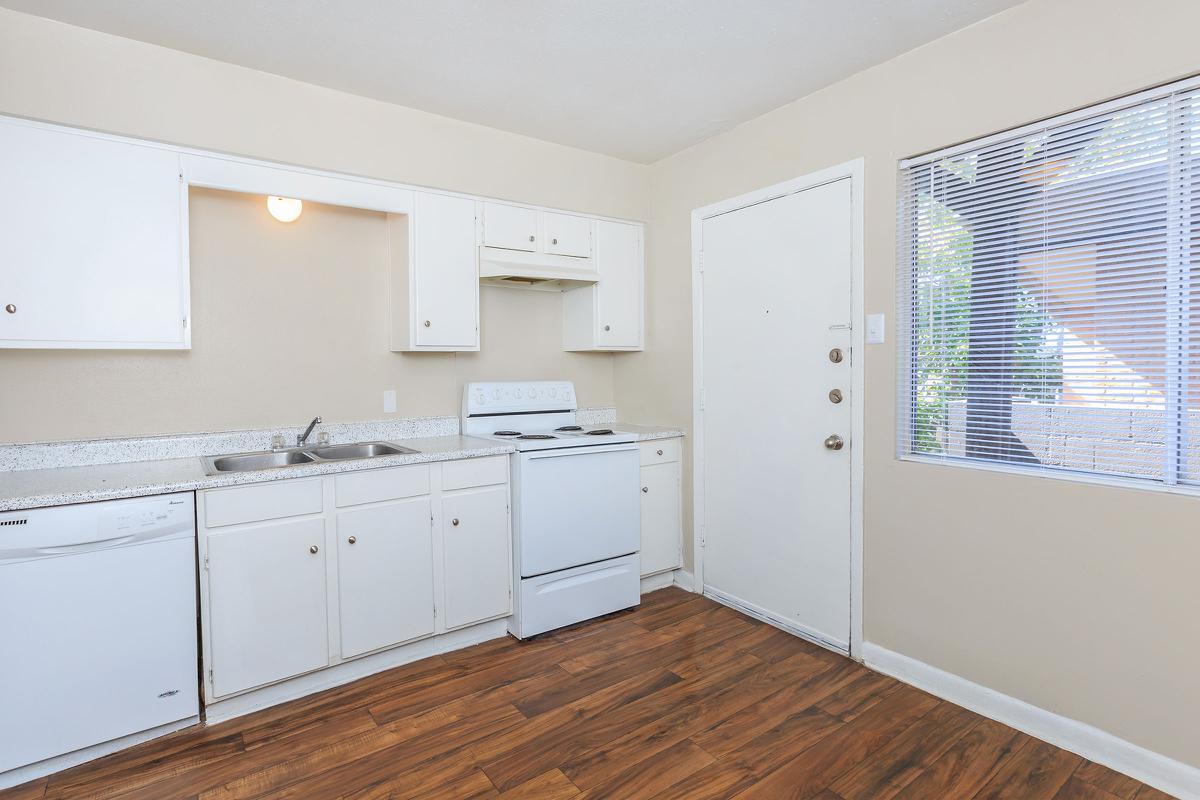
x,y
568,436
532,415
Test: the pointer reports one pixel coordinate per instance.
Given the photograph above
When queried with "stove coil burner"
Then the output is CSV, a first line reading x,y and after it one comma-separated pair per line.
x,y
565,428
506,433
536,436
600,432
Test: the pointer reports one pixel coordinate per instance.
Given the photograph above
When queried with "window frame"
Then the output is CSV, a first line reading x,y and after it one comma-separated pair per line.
x,y
908,307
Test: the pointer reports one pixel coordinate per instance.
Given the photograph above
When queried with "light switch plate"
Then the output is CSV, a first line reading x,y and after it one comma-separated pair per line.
x,y
389,401
875,328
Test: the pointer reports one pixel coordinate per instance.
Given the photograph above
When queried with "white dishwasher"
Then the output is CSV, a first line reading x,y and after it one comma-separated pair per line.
x,y
97,624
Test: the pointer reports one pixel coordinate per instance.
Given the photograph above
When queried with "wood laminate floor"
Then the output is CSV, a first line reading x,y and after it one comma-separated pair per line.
x,y
680,698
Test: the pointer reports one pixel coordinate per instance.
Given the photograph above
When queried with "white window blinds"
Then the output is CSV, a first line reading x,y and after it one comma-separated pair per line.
x,y
1050,294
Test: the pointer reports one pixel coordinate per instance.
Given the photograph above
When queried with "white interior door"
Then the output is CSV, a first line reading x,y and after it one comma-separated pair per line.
x,y
776,299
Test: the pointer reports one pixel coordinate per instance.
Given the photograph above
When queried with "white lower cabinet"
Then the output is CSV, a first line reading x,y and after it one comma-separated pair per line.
x,y
385,575
266,603
662,529
306,573
474,540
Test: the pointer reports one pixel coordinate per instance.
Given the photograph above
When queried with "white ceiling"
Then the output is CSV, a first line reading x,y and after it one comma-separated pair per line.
x,y
638,79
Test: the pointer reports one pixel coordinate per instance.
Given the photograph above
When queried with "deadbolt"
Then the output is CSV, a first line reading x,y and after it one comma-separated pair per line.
x,y
10,308
835,355
834,442
835,395
352,539
313,549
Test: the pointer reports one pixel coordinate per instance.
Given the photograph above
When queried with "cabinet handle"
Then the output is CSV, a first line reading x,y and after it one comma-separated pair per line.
x,y
313,549
532,237
352,539
645,490
10,308
454,522
659,452
427,323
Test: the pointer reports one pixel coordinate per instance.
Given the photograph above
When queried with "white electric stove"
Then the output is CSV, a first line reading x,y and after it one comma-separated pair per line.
x,y
576,503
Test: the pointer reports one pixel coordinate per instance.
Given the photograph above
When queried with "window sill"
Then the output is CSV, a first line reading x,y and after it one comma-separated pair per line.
x,y
1115,482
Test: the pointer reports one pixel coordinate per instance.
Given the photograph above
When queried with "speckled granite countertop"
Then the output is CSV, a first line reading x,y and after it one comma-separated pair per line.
x,y
646,433
34,488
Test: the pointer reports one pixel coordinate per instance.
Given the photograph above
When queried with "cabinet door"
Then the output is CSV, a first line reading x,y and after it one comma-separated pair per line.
x,y
661,529
385,574
619,290
92,251
477,559
568,235
267,603
510,227
446,273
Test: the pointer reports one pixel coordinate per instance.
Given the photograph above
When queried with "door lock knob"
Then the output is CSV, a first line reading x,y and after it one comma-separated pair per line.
x,y
834,442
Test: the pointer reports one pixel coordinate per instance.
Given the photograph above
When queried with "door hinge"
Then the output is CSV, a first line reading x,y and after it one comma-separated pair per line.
x,y
210,675
185,322
206,562
703,392
700,261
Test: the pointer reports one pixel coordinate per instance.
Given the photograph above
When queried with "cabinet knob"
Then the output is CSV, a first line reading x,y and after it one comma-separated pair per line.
x,y
645,490
608,327
659,452
554,241
532,237
10,308
454,522
427,323
352,539
313,549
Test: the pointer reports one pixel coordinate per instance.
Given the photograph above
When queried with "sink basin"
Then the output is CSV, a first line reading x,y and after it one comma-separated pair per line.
x,y
273,459
338,452
267,459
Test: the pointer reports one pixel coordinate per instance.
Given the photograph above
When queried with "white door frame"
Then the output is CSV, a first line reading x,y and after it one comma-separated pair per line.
x,y
854,170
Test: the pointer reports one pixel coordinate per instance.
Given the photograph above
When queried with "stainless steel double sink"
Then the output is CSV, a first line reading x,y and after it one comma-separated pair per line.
x,y
298,456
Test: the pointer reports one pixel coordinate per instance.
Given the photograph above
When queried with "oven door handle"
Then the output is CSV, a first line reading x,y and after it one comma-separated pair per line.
x,y
579,451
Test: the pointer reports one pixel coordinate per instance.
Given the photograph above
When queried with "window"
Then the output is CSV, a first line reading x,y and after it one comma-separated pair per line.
x,y
1050,295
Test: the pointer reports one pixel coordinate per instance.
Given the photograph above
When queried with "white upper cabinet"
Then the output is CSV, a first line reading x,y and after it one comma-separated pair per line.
x,y
567,235
93,253
435,275
510,227
608,314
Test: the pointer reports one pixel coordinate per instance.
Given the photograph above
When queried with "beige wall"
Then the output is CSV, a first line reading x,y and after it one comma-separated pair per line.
x,y
60,73
290,321
1076,598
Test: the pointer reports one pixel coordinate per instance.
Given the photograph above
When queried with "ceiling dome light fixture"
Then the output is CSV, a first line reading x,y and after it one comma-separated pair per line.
x,y
284,209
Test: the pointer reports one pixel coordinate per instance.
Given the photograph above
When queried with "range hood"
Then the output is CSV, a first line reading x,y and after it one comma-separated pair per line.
x,y
520,269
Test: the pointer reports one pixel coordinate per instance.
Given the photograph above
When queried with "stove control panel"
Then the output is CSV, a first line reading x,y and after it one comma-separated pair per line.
x,y
518,396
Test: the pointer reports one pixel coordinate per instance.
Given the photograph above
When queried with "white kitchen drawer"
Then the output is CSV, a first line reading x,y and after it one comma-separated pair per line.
x,y
377,485
474,472
659,451
274,500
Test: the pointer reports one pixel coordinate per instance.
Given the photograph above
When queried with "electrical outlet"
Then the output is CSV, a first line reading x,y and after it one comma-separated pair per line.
x,y
389,401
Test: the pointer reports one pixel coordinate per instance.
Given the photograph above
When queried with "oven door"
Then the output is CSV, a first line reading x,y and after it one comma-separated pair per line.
x,y
576,506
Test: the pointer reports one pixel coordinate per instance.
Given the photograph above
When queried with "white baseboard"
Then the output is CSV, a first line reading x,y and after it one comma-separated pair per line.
x,y
659,580
685,580
347,671
1167,774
